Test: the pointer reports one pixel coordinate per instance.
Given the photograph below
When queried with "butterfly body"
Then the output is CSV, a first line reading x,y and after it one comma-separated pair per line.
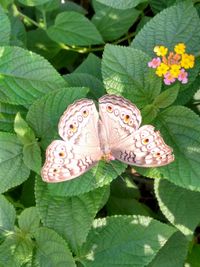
x,y
113,133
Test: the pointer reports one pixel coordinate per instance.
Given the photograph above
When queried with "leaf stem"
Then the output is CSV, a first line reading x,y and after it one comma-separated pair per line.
x,y
23,16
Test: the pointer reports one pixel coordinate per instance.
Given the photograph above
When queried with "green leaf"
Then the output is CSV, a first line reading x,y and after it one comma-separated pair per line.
x,y
6,3
39,42
181,129
33,2
13,171
175,203
173,253
7,214
16,250
159,5
74,215
29,220
18,32
32,156
31,150
118,4
125,71
194,256
101,174
185,96
124,198
86,80
113,23
149,113
124,241
5,28
25,76
24,133
44,114
91,65
7,116
73,28
181,24
167,97
52,250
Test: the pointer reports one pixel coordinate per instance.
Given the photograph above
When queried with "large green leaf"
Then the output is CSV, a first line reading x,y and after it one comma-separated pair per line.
x,y
118,4
159,5
7,215
33,2
52,250
167,97
31,150
175,24
7,115
86,80
39,42
125,72
173,253
13,171
180,128
25,76
44,114
176,202
113,23
91,65
5,28
101,174
124,196
18,32
73,28
124,241
16,250
194,256
29,220
74,215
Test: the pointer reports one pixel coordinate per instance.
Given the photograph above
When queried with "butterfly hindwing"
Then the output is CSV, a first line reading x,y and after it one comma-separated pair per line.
x,y
64,162
145,148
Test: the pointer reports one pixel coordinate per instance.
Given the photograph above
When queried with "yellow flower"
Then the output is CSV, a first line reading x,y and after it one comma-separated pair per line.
x,y
175,70
162,69
187,61
180,48
160,50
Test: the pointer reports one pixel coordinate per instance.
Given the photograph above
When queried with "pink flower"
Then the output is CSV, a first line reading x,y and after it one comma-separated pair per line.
x,y
168,78
183,76
154,63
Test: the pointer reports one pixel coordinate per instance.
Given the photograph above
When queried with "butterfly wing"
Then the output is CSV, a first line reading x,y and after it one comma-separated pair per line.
x,y
64,162
79,124
145,148
119,117
127,142
80,150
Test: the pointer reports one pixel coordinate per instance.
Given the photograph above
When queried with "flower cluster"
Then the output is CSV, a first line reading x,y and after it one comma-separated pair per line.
x,y
172,66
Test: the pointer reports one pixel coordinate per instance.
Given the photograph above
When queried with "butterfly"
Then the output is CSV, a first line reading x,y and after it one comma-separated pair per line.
x,y
112,134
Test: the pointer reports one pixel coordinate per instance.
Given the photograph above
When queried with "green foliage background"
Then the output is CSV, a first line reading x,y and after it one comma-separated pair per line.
x,y
53,53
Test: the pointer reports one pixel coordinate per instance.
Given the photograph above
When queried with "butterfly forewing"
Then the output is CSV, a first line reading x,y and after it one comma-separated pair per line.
x,y
79,124
80,149
119,117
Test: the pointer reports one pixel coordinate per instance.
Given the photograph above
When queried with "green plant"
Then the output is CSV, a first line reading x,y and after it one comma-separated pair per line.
x,y
52,54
